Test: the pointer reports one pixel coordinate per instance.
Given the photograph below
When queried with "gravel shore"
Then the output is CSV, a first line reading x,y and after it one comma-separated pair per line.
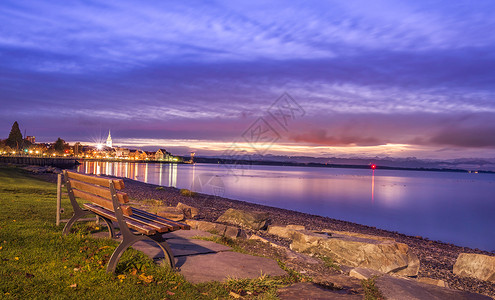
x,y
437,258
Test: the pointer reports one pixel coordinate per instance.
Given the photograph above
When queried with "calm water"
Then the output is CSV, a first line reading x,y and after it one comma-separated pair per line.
x,y
458,208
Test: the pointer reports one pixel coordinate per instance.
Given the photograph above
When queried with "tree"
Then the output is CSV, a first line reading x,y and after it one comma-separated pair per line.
x,y
14,140
59,145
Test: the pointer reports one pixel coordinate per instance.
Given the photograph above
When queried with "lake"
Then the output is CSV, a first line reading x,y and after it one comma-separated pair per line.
x,y
457,208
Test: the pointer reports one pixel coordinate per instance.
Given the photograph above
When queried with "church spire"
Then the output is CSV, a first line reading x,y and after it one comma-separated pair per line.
x,y
109,140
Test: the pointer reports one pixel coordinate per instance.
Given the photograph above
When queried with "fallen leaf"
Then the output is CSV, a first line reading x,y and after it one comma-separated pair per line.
x,y
147,279
1,247
237,296
76,269
16,258
73,285
170,293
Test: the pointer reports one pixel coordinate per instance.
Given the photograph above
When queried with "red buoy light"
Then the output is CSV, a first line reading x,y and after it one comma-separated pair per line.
x,y
373,166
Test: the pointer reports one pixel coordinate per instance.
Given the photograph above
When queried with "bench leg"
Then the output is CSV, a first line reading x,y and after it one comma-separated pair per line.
x,y
111,230
79,213
128,241
169,256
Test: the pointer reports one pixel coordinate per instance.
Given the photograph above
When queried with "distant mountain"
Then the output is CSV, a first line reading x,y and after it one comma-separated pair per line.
x,y
469,164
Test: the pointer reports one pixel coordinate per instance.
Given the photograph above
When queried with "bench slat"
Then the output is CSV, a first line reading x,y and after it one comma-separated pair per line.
x,y
98,190
111,215
155,225
103,181
158,219
127,210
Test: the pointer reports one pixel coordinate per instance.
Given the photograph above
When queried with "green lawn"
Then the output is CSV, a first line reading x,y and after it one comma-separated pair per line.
x,y
36,261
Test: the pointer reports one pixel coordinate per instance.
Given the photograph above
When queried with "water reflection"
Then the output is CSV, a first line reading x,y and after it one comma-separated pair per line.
x,y
452,207
373,187
138,171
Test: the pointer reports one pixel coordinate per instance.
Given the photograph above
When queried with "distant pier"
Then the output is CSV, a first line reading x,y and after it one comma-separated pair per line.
x,y
59,162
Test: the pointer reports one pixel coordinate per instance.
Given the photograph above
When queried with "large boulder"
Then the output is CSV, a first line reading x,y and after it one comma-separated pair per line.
x,y
252,220
358,250
475,265
189,211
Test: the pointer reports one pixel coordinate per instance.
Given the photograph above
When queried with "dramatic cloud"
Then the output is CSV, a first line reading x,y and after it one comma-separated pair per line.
x,y
368,74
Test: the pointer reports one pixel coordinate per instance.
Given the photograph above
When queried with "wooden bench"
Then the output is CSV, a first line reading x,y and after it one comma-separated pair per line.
x,y
108,203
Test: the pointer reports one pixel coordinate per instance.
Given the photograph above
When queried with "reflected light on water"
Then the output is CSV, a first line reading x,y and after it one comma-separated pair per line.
x,y
373,187
137,171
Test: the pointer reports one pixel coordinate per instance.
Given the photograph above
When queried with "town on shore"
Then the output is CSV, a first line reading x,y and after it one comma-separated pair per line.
x,y
18,145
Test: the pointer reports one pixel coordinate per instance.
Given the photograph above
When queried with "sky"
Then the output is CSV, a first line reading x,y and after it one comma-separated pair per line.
x,y
314,78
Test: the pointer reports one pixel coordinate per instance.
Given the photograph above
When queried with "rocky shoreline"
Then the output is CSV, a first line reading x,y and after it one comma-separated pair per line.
x,y
437,259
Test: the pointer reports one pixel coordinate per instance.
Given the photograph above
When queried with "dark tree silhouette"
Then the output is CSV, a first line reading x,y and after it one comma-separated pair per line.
x,y
15,140
59,145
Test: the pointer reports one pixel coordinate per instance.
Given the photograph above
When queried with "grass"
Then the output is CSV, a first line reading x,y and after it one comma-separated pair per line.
x,y
371,292
188,193
36,261
329,263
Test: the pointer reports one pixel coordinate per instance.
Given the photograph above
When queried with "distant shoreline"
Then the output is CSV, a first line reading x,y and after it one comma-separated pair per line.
x,y
295,164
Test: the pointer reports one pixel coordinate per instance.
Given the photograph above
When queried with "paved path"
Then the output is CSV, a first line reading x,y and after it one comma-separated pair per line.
x,y
202,261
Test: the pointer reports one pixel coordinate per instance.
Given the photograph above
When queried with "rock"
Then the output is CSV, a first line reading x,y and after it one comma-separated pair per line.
x,y
284,232
475,265
251,220
231,232
189,211
258,238
243,234
296,227
363,273
355,250
437,282
207,226
172,213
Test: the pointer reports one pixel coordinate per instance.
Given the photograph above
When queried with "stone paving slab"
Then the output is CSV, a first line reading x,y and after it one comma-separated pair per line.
x,y
187,234
203,261
394,288
180,247
226,265
311,291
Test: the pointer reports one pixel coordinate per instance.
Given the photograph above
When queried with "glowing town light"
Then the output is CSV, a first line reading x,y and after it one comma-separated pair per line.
x,y
37,152
99,146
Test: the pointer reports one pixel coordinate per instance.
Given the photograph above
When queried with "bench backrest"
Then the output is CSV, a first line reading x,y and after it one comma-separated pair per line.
x,y
97,190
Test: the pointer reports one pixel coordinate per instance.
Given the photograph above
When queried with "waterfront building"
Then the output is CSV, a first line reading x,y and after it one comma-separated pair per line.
x,y
31,139
162,154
